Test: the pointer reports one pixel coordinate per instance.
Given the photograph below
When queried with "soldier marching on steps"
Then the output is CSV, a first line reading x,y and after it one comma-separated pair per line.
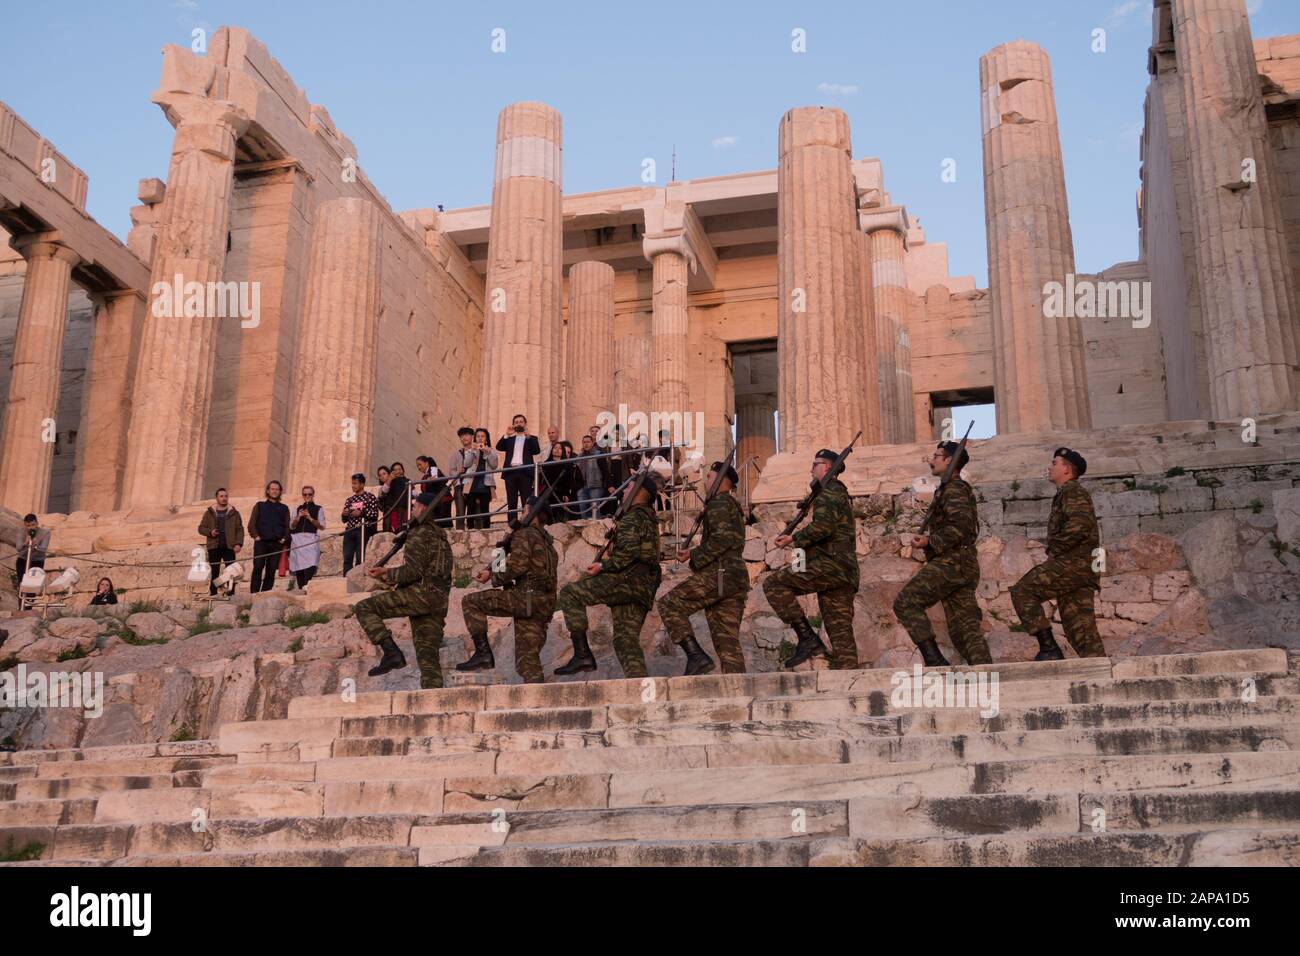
x,y
952,570
626,580
718,586
830,571
420,590
1069,575
524,590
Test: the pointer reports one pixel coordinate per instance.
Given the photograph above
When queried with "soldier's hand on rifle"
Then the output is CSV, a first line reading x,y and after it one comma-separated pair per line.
x,y
483,576
377,573
920,540
783,540
683,554
593,568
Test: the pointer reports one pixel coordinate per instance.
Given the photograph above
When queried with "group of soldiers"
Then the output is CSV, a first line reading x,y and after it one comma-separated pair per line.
x,y
627,573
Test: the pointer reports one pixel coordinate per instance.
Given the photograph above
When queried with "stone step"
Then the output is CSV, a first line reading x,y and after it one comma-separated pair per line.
x,y
784,853
341,856
187,748
1265,770
1165,810
1208,846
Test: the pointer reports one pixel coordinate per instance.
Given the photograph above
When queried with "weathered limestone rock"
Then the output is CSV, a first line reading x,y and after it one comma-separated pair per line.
x,y
819,307
1038,362
167,452
151,625
522,335
588,386
27,448
1247,289
334,401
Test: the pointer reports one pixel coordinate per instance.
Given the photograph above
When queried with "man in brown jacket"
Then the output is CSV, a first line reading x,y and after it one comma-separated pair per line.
x,y
222,530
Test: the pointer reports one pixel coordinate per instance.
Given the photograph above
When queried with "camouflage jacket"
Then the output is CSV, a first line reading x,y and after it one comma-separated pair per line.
x,y
426,561
722,543
829,539
531,564
956,523
1072,531
635,555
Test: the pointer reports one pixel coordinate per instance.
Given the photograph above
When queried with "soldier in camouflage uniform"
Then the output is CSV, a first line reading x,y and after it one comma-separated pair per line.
x,y
525,591
626,580
718,587
830,569
1068,574
951,571
421,586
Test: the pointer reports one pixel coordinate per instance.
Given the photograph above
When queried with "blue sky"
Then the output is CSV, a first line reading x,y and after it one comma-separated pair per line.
x,y
417,87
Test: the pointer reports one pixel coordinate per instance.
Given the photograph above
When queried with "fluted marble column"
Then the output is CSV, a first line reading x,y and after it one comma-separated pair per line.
x,y
670,259
633,385
172,397
755,427
819,309
332,421
26,455
1039,379
522,327
588,385
869,344
102,439
1248,292
886,231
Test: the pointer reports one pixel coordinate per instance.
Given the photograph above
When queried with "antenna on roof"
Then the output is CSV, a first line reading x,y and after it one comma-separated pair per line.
x,y
674,177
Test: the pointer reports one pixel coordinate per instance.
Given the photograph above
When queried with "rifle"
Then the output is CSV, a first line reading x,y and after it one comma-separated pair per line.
x,y
637,480
818,485
947,474
713,490
400,540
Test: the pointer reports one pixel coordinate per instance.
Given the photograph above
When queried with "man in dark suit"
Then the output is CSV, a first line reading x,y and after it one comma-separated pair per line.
x,y
518,449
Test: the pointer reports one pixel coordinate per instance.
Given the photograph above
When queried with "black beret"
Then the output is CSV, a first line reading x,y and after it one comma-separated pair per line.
x,y
1074,458
729,474
828,454
426,499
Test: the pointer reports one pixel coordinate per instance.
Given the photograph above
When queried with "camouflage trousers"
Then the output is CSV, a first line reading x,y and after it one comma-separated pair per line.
x,y
532,614
949,584
1075,596
628,616
723,607
427,611
834,600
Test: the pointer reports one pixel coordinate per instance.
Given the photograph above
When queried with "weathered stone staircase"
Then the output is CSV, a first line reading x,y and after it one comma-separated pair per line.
x,y
1191,759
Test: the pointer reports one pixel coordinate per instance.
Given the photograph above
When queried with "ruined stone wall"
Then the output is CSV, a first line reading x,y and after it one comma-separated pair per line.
x,y
1278,59
952,347
1126,377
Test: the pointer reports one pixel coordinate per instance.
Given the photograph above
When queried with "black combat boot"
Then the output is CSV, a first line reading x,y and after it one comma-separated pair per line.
x,y
810,645
392,660
481,659
931,655
1047,648
582,659
697,662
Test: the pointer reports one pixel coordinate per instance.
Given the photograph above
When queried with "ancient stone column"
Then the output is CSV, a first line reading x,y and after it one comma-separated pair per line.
x,y
632,383
589,382
886,231
522,325
106,400
671,259
819,308
332,417
755,427
1039,379
1248,293
173,386
872,415
27,445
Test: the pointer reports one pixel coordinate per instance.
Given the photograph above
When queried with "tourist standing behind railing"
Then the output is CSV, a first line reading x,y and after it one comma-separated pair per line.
x,y
360,521
308,522
548,446
429,475
594,474
458,464
393,502
268,526
222,530
560,472
478,486
519,449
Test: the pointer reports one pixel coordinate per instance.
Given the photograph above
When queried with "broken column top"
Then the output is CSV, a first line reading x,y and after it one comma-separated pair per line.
x,y
529,119
1016,79
814,126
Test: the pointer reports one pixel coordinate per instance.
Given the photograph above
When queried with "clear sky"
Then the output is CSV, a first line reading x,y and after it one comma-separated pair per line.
x,y
417,88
